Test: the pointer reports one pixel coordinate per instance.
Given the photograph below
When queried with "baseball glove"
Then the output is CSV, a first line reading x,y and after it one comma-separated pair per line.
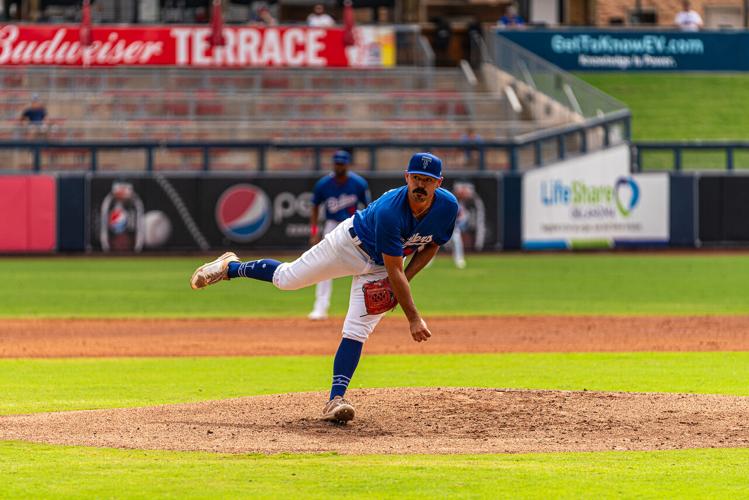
x,y
378,296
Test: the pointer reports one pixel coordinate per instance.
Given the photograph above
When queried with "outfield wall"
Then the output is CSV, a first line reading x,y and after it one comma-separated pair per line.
x,y
594,202
543,209
202,212
29,213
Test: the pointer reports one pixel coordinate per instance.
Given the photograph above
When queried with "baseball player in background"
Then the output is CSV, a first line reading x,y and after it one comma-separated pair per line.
x,y
371,246
339,193
462,192
459,257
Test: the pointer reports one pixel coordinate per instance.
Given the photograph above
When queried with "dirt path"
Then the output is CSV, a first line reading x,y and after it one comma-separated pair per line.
x,y
67,338
422,420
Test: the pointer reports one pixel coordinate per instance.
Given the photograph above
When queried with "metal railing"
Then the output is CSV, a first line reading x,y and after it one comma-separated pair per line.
x,y
543,76
692,155
518,153
250,80
284,130
268,107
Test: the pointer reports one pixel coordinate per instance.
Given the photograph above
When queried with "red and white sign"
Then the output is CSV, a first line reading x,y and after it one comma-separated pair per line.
x,y
246,46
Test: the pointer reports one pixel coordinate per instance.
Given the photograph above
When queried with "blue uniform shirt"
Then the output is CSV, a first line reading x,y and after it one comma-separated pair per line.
x,y
35,115
340,200
388,226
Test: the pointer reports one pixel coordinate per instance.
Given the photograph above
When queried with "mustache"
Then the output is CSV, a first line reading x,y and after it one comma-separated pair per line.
x,y
420,191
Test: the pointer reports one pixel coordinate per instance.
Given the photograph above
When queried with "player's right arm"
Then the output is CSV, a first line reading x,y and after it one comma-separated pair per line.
x,y
402,290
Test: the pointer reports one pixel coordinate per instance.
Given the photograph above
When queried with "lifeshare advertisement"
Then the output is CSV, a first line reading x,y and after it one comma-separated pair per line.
x,y
594,201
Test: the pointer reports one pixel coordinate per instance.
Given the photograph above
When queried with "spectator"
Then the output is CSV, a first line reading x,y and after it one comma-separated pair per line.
x,y
263,16
471,150
511,19
34,117
319,18
201,15
442,35
688,19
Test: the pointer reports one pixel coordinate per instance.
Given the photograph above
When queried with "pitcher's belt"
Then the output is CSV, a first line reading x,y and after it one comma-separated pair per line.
x,y
357,242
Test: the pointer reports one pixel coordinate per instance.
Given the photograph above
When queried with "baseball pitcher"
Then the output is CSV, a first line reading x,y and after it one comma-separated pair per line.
x,y
339,192
415,219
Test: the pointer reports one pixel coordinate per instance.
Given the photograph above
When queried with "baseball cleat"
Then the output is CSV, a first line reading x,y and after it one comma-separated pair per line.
x,y
317,316
212,272
338,410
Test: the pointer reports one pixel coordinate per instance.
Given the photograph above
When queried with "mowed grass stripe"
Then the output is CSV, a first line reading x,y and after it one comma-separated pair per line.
x,y
56,471
31,386
492,284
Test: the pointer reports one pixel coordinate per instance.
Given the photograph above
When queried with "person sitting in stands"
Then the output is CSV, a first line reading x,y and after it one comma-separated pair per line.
x,y
688,19
319,18
34,116
511,19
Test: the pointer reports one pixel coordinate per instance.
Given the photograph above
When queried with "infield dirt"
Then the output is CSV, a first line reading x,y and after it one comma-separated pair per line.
x,y
43,338
408,420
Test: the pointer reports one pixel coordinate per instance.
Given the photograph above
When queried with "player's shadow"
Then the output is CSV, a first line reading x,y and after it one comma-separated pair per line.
x,y
302,426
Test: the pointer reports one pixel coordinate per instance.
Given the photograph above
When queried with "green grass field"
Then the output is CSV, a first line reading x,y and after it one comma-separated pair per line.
x,y
677,106
682,106
57,471
31,386
507,284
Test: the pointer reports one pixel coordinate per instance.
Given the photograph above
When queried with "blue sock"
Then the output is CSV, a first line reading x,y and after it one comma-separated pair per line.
x,y
262,269
344,365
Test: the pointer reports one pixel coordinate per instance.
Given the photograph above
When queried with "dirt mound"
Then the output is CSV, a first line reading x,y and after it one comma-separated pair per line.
x,y
408,420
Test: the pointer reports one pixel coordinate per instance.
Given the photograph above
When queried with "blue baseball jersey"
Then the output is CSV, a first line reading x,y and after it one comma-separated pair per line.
x,y
387,226
341,199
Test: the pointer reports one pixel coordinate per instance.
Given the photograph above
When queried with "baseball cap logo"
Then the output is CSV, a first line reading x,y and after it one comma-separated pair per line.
x,y
425,164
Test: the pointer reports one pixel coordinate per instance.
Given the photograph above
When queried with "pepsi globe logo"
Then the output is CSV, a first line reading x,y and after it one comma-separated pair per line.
x,y
118,220
243,213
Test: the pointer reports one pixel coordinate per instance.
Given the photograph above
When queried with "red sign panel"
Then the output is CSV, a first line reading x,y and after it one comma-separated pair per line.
x,y
189,46
29,207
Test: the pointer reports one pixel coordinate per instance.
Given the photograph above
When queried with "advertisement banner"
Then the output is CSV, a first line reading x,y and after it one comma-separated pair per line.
x,y
189,46
593,201
636,50
133,214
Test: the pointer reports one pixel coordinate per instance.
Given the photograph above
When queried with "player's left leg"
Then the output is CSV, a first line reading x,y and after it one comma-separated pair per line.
x,y
334,257
357,327
458,253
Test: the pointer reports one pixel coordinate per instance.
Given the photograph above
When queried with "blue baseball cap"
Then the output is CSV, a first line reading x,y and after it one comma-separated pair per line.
x,y
342,157
425,164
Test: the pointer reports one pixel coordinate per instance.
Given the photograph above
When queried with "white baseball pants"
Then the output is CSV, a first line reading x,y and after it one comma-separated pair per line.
x,y
457,242
334,257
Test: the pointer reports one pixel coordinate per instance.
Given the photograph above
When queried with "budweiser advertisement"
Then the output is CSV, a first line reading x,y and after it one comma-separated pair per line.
x,y
189,46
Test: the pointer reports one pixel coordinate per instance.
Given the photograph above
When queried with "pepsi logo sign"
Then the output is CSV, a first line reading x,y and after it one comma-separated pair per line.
x,y
118,220
243,213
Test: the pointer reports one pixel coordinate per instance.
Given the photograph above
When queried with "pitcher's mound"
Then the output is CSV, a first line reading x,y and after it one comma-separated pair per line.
x,y
408,420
